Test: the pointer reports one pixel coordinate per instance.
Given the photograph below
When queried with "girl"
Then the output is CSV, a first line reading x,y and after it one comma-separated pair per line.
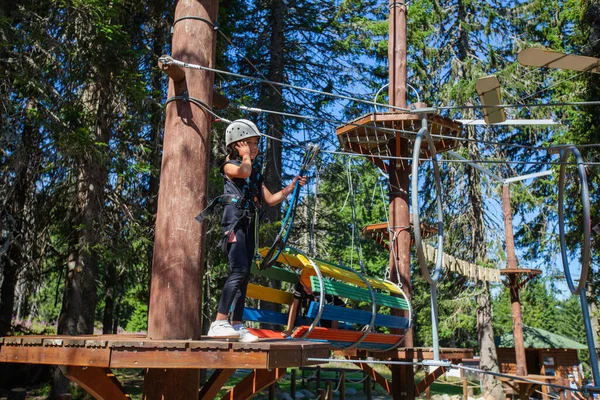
x,y
244,192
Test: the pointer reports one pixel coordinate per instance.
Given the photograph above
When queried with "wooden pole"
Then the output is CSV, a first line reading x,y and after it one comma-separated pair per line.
x,y
402,375
177,267
514,284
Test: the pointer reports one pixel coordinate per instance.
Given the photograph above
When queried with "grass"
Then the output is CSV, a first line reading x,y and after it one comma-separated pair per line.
x,y
133,381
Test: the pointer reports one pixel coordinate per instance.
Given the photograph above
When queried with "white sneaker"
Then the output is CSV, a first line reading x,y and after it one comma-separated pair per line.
x,y
245,335
222,328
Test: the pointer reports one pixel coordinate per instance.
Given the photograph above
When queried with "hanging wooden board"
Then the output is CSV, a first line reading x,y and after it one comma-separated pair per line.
x,y
553,59
488,89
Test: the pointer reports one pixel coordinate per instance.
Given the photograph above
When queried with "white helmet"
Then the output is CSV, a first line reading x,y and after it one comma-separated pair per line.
x,y
240,129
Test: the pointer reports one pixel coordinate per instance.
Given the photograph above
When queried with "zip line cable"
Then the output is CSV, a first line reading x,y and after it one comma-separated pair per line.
x,y
526,105
392,130
168,60
595,389
216,116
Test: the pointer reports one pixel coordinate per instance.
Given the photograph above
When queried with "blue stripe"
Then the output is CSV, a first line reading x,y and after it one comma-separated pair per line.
x,y
350,315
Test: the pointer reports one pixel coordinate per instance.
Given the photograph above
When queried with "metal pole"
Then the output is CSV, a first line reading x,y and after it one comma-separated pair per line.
x,y
177,268
589,333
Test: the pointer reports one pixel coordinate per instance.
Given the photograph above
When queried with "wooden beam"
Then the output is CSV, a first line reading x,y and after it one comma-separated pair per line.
x,y
101,383
215,383
428,380
253,383
380,379
173,71
375,160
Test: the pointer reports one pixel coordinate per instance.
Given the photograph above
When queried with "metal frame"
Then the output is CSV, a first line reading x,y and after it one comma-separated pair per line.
x,y
437,274
317,318
368,328
585,250
409,327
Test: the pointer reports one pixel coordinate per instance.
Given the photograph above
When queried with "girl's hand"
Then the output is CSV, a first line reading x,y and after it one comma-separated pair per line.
x,y
301,179
243,149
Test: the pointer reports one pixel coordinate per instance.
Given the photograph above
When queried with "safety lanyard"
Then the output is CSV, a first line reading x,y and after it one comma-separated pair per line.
x,y
287,222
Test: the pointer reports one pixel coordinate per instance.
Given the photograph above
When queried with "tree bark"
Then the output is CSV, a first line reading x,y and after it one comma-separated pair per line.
x,y
273,99
485,332
78,310
13,260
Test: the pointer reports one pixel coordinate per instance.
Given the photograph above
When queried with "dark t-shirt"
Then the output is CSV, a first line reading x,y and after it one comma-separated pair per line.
x,y
249,191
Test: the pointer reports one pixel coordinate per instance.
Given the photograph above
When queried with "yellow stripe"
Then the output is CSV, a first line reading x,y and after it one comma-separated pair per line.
x,y
268,294
332,271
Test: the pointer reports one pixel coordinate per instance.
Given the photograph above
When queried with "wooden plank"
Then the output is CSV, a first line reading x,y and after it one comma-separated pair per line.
x,y
101,383
355,147
158,358
279,274
343,335
254,382
344,290
552,59
175,72
424,353
266,333
428,380
215,383
292,257
488,89
76,356
269,294
271,317
283,358
336,313
379,379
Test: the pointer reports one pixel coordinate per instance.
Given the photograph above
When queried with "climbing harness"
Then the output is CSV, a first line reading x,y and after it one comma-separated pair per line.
x,y
245,200
286,224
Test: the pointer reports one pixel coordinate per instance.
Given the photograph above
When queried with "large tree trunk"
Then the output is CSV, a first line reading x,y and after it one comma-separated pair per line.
x,y
485,332
13,260
273,99
78,310
156,122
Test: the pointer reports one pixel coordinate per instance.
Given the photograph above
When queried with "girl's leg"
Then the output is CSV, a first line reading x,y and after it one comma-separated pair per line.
x,y
239,301
239,272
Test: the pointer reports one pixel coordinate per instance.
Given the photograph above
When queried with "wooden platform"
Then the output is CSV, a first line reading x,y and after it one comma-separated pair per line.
x,y
412,353
373,133
137,351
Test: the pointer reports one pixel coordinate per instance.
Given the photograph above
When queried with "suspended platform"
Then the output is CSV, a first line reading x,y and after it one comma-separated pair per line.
x,y
375,133
381,234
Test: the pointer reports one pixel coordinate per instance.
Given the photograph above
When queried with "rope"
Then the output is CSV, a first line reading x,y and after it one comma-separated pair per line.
x,y
286,224
168,60
447,364
208,22
526,105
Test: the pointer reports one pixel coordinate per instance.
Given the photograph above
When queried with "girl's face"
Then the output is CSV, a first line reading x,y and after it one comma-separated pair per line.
x,y
253,144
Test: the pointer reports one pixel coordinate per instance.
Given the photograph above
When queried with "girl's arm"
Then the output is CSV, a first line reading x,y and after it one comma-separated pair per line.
x,y
244,170
273,199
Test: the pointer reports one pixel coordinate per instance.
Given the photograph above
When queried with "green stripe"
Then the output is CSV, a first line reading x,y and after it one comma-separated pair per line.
x,y
355,293
276,273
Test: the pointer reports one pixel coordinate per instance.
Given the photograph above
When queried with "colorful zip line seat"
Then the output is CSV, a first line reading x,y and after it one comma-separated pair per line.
x,y
357,327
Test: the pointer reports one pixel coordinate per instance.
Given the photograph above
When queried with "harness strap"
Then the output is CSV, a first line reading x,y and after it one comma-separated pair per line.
x,y
224,199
